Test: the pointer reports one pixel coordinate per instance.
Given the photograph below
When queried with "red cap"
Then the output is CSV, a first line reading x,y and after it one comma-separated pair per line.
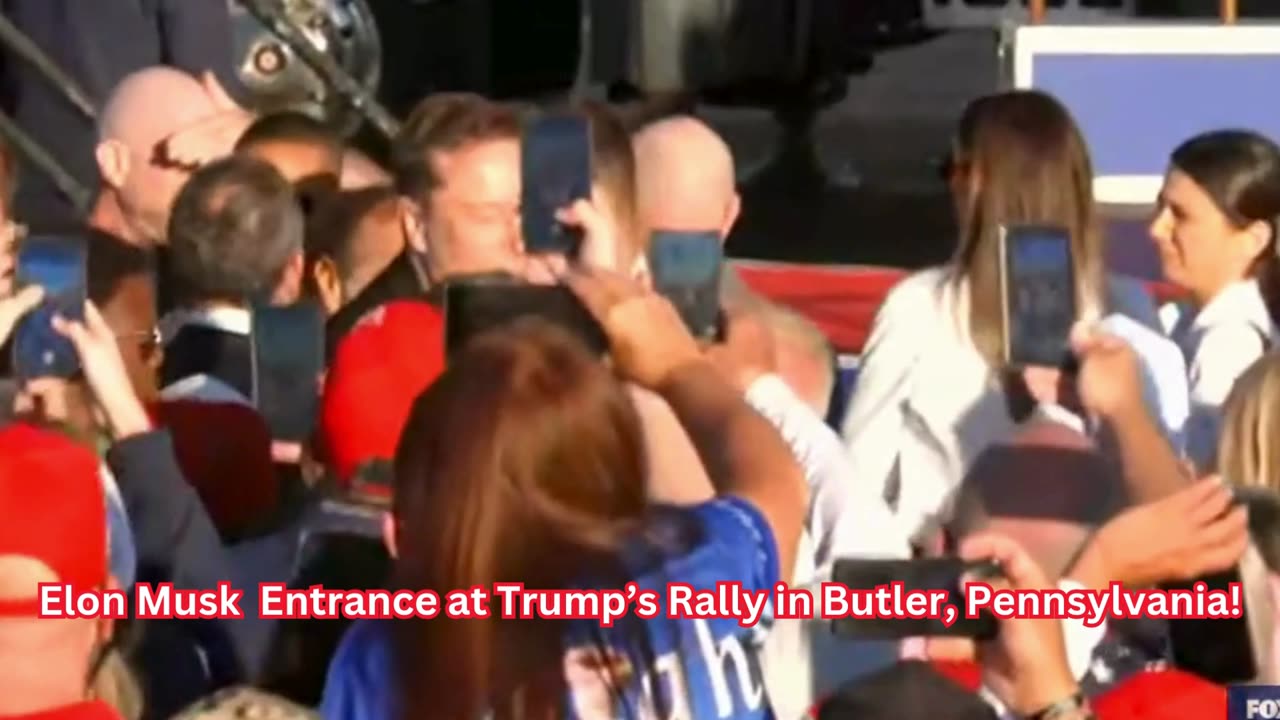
x,y
224,450
1158,694
54,510
392,355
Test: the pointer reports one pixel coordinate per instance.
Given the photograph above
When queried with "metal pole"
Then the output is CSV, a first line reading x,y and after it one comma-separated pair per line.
x,y
1037,11
80,196
1229,10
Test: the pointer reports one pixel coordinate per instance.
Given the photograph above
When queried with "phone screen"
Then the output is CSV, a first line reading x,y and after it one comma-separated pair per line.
x,y
555,169
1039,295
288,359
475,305
921,574
686,270
57,264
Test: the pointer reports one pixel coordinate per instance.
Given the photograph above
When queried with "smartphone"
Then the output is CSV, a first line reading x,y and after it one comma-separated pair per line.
x,y
56,263
686,270
1037,283
555,170
1217,649
478,304
288,358
944,573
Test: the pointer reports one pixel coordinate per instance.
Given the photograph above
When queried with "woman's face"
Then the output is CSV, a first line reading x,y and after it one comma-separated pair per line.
x,y
1201,250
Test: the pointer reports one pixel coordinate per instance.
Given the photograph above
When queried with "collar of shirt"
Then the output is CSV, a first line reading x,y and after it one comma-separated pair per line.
x,y
228,319
1241,301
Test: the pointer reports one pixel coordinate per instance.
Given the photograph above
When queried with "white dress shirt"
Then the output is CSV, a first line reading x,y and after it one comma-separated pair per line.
x,y
1219,343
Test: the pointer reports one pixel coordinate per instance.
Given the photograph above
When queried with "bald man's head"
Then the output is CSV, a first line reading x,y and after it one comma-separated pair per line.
x,y
142,111
685,176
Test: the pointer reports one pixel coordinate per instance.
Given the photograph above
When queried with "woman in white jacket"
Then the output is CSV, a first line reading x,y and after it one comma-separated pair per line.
x,y
1215,229
930,393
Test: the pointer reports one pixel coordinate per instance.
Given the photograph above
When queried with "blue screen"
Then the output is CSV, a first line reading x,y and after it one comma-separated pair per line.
x,y
686,270
58,266
1041,296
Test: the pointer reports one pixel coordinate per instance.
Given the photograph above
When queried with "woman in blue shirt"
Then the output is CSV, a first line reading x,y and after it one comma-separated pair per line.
x,y
524,463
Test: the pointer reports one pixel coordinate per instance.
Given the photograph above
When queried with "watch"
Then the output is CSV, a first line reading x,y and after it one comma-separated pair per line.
x,y
1073,707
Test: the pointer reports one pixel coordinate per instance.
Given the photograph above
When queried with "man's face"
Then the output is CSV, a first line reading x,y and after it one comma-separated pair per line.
x,y
472,221
131,315
298,160
149,190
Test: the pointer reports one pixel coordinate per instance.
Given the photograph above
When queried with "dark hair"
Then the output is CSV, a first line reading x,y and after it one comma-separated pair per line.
x,y
111,261
333,220
290,126
524,462
441,123
1240,171
235,226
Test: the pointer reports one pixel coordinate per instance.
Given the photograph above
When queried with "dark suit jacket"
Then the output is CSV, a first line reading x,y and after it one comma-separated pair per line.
x,y
200,350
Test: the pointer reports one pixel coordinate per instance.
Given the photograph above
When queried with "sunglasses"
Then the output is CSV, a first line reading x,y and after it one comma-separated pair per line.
x,y
148,339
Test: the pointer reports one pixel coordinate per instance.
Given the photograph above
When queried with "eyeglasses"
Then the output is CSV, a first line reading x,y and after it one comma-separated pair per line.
x,y
149,339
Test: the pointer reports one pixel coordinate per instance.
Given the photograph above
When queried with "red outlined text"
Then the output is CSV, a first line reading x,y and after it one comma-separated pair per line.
x,y
726,601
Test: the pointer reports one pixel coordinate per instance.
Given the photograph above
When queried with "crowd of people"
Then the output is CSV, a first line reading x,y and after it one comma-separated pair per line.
x,y
523,457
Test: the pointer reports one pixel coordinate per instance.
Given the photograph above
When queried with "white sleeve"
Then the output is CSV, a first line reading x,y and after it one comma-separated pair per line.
x,y
1222,356
874,426
844,518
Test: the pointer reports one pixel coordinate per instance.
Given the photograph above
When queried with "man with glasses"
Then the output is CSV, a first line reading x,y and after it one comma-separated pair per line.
x,y
121,282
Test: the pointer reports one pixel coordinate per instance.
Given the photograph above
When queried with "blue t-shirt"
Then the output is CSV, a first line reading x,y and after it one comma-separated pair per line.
x,y
700,668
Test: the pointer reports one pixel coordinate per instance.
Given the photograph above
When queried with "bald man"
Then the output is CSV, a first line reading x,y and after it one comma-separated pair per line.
x,y
139,183
685,180
99,43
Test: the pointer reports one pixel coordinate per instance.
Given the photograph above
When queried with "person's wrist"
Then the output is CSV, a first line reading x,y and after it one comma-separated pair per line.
x,y
691,369
1046,688
126,415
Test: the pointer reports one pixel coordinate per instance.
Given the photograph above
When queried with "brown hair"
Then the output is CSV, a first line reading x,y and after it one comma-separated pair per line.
x,y
1026,163
441,123
522,463
613,168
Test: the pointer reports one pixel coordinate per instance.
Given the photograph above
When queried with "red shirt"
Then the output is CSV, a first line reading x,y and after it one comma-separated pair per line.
x,y
87,710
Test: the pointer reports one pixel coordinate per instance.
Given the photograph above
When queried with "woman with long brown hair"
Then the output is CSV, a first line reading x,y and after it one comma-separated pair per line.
x,y
929,395
525,463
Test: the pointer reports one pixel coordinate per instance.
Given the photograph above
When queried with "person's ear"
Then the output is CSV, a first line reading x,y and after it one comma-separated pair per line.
x,y
289,289
324,274
413,225
114,162
731,214
1257,237
389,531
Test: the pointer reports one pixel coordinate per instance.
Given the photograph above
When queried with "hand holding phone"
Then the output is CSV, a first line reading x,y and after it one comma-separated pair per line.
x,y
948,573
555,171
1037,290
57,265
686,269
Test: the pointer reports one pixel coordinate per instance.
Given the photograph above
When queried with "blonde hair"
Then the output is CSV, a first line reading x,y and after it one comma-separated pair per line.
x,y
1248,449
